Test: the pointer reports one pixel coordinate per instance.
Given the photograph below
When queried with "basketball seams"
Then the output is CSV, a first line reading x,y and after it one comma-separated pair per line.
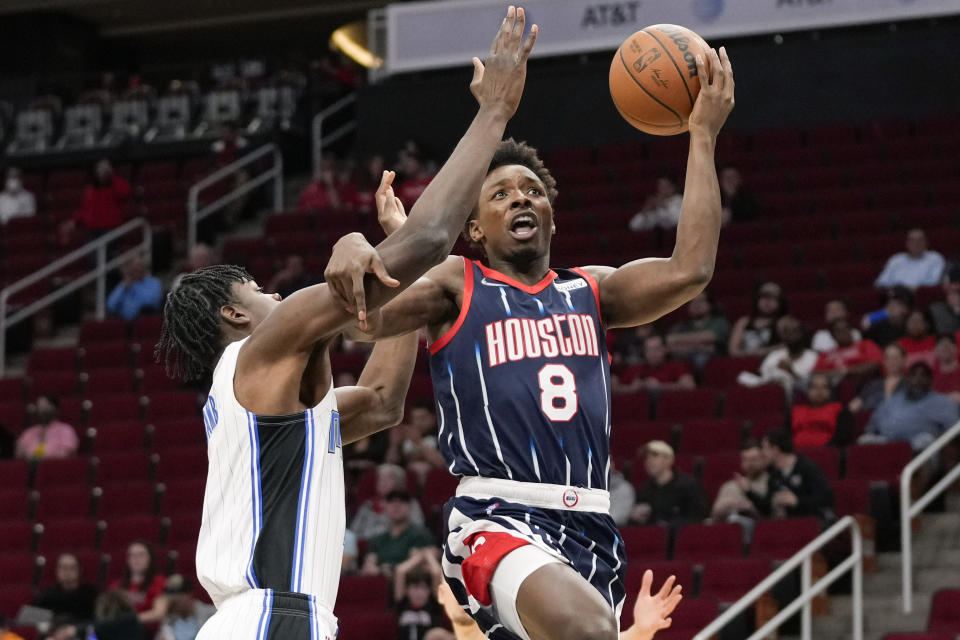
x,y
647,91
679,71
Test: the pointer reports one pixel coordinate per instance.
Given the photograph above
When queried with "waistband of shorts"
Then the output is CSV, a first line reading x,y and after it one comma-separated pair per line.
x,y
279,601
541,496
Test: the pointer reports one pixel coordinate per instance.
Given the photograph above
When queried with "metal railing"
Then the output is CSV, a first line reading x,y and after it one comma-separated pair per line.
x,y
195,213
909,511
808,591
319,140
98,273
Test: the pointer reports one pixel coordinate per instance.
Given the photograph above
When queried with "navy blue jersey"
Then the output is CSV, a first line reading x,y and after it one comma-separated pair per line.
x,y
522,381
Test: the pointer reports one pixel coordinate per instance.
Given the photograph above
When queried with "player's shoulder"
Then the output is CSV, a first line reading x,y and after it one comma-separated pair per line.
x,y
449,274
597,272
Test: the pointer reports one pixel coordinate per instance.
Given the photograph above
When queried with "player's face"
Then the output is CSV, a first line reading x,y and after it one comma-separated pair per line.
x,y
514,216
254,303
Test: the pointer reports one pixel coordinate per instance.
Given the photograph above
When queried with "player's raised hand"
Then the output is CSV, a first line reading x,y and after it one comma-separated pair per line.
x,y
390,212
498,81
352,259
652,613
715,101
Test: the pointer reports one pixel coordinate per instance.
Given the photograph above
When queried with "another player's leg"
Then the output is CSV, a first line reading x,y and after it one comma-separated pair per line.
x,y
557,603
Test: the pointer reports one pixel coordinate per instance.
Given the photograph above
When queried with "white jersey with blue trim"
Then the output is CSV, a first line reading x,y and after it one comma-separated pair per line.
x,y
273,509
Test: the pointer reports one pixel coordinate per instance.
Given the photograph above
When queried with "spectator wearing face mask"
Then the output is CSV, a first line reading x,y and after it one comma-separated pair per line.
x,y
15,201
49,438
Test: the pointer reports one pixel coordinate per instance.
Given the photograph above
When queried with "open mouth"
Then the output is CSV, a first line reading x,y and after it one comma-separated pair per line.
x,y
523,226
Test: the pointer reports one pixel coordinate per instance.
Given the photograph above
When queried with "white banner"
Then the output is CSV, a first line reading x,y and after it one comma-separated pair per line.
x,y
426,35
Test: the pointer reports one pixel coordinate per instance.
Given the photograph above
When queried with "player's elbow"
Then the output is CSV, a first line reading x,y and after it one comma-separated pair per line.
x,y
434,245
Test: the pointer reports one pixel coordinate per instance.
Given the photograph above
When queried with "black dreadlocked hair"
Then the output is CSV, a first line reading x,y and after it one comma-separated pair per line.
x,y
191,337
512,152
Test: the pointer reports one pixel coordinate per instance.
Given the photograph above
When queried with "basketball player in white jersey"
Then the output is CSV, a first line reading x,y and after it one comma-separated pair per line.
x,y
272,532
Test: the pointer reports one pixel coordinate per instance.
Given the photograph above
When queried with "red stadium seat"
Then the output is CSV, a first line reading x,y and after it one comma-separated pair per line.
x,y
108,330
63,384
52,359
15,474
627,438
17,537
709,435
62,473
760,425
105,382
146,329
438,487
115,468
128,498
851,496
115,408
172,404
730,580
827,458
371,624
13,415
174,433
920,635
718,468
152,380
184,530
12,597
359,594
183,462
121,531
64,502
15,504
690,617
881,462
721,372
118,437
702,542
630,406
183,496
69,534
683,571
780,539
12,389
945,611
747,402
687,405
643,544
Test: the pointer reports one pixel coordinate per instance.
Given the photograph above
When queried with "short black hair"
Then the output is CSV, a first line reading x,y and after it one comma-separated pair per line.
x,y
749,443
191,337
780,438
512,152
920,364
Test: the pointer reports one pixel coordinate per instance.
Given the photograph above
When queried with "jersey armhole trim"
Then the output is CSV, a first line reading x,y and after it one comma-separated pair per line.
x,y
443,340
596,290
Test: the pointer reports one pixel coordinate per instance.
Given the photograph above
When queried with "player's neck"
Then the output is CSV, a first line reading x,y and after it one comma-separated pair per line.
x,y
528,271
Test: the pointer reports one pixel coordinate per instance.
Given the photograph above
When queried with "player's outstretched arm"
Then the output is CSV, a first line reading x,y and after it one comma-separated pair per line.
x,y
376,402
643,290
651,613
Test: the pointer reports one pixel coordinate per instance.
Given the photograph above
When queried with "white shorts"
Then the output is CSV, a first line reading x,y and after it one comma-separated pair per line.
x,y
261,614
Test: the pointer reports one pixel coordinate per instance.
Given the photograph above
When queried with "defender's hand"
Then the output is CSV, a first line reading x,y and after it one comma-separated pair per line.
x,y
715,101
352,259
498,82
651,613
390,212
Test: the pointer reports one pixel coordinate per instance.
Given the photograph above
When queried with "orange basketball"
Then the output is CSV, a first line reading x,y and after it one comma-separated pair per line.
x,y
653,78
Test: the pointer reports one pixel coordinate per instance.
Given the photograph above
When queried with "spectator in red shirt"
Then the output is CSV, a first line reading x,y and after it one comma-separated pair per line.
x,y
850,358
142,584
657,372
919,342
322,193
104,202
946,370
822,420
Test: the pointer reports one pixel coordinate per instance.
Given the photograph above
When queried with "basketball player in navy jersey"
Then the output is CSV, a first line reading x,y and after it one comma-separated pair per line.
x,y
271,537
522,382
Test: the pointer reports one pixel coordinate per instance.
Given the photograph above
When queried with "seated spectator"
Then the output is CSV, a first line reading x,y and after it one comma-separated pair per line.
x,y
104,202
627,345
946,312
790,364
142,585
889,324
8,443
139,293
732,503
293,277
796,487
413,444
366,453
833,310
402,536
187,614
662,209
668,497
114,619
946,370
738,204
877,390
918,343
657,372
756,334
913,414
822,420
371,519
859,359
414,175
464,627
322,193
200,256
366,179
415,580
15,201
49,438
70,600
622,497
703,335
916,267
348,564
7,634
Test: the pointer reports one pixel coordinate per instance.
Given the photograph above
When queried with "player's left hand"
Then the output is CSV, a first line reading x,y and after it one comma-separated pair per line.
x,y
352,259
390,212
652,613
715,101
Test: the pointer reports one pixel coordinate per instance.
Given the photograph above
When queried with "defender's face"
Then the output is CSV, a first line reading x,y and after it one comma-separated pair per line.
x,y
514,215
254,301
